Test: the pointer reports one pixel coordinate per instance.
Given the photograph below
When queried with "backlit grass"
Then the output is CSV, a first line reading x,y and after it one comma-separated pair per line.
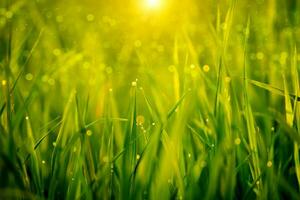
x,y
149,99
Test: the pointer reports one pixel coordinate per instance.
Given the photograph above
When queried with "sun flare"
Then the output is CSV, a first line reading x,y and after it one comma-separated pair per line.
x,y
153,4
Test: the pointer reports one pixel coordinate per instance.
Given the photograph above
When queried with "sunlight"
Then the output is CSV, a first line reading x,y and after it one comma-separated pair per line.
x,y
153,4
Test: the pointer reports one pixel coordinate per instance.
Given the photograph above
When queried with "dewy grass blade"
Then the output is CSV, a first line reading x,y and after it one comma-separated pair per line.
x,y
274,90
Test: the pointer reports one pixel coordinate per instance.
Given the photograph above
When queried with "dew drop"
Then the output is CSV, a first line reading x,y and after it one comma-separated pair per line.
x,y
133,83
9,14
138,156
89,132
269,164
137,43
237,141
206,68
56,52
90,17
29,77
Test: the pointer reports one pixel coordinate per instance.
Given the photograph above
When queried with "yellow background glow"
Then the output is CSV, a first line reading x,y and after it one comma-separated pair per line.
x,y
153,4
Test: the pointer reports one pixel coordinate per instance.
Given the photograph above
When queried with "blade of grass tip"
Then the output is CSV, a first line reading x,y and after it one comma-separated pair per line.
x,y
175,51
139,161
129,158
19,117
244,162
26,61
133,136
61,130
47,134
58,169
73,188
176,81
70,144
126,147
86,108
295,78
199,136
103,119
172,111
23,41
34,165
26,102
247,33
273,89
154,115
288,106
50,123
169,148
41,139
291,132
214,30
118,155
89,164
86,153
228,24
111,152
255,182
217,96
81,126
2,109
218,21
250,123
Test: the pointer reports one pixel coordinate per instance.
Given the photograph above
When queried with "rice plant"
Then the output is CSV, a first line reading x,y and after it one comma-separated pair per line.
x,y
149,99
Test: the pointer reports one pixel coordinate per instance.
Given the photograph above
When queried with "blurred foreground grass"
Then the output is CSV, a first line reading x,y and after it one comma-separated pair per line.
x,y
149,100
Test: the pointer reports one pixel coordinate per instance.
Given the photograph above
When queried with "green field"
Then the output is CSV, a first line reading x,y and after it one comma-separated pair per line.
x,y
149,99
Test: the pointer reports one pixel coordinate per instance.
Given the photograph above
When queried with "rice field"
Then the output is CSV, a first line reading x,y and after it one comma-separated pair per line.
x,y
149,99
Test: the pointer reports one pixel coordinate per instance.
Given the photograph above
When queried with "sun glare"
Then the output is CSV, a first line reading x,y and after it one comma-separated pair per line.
x,y
153,4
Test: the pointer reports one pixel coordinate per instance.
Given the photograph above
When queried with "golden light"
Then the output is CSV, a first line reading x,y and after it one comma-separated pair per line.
x,y
153,4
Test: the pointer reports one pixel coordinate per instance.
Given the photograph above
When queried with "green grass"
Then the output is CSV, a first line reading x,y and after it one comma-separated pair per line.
x,y
111,100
